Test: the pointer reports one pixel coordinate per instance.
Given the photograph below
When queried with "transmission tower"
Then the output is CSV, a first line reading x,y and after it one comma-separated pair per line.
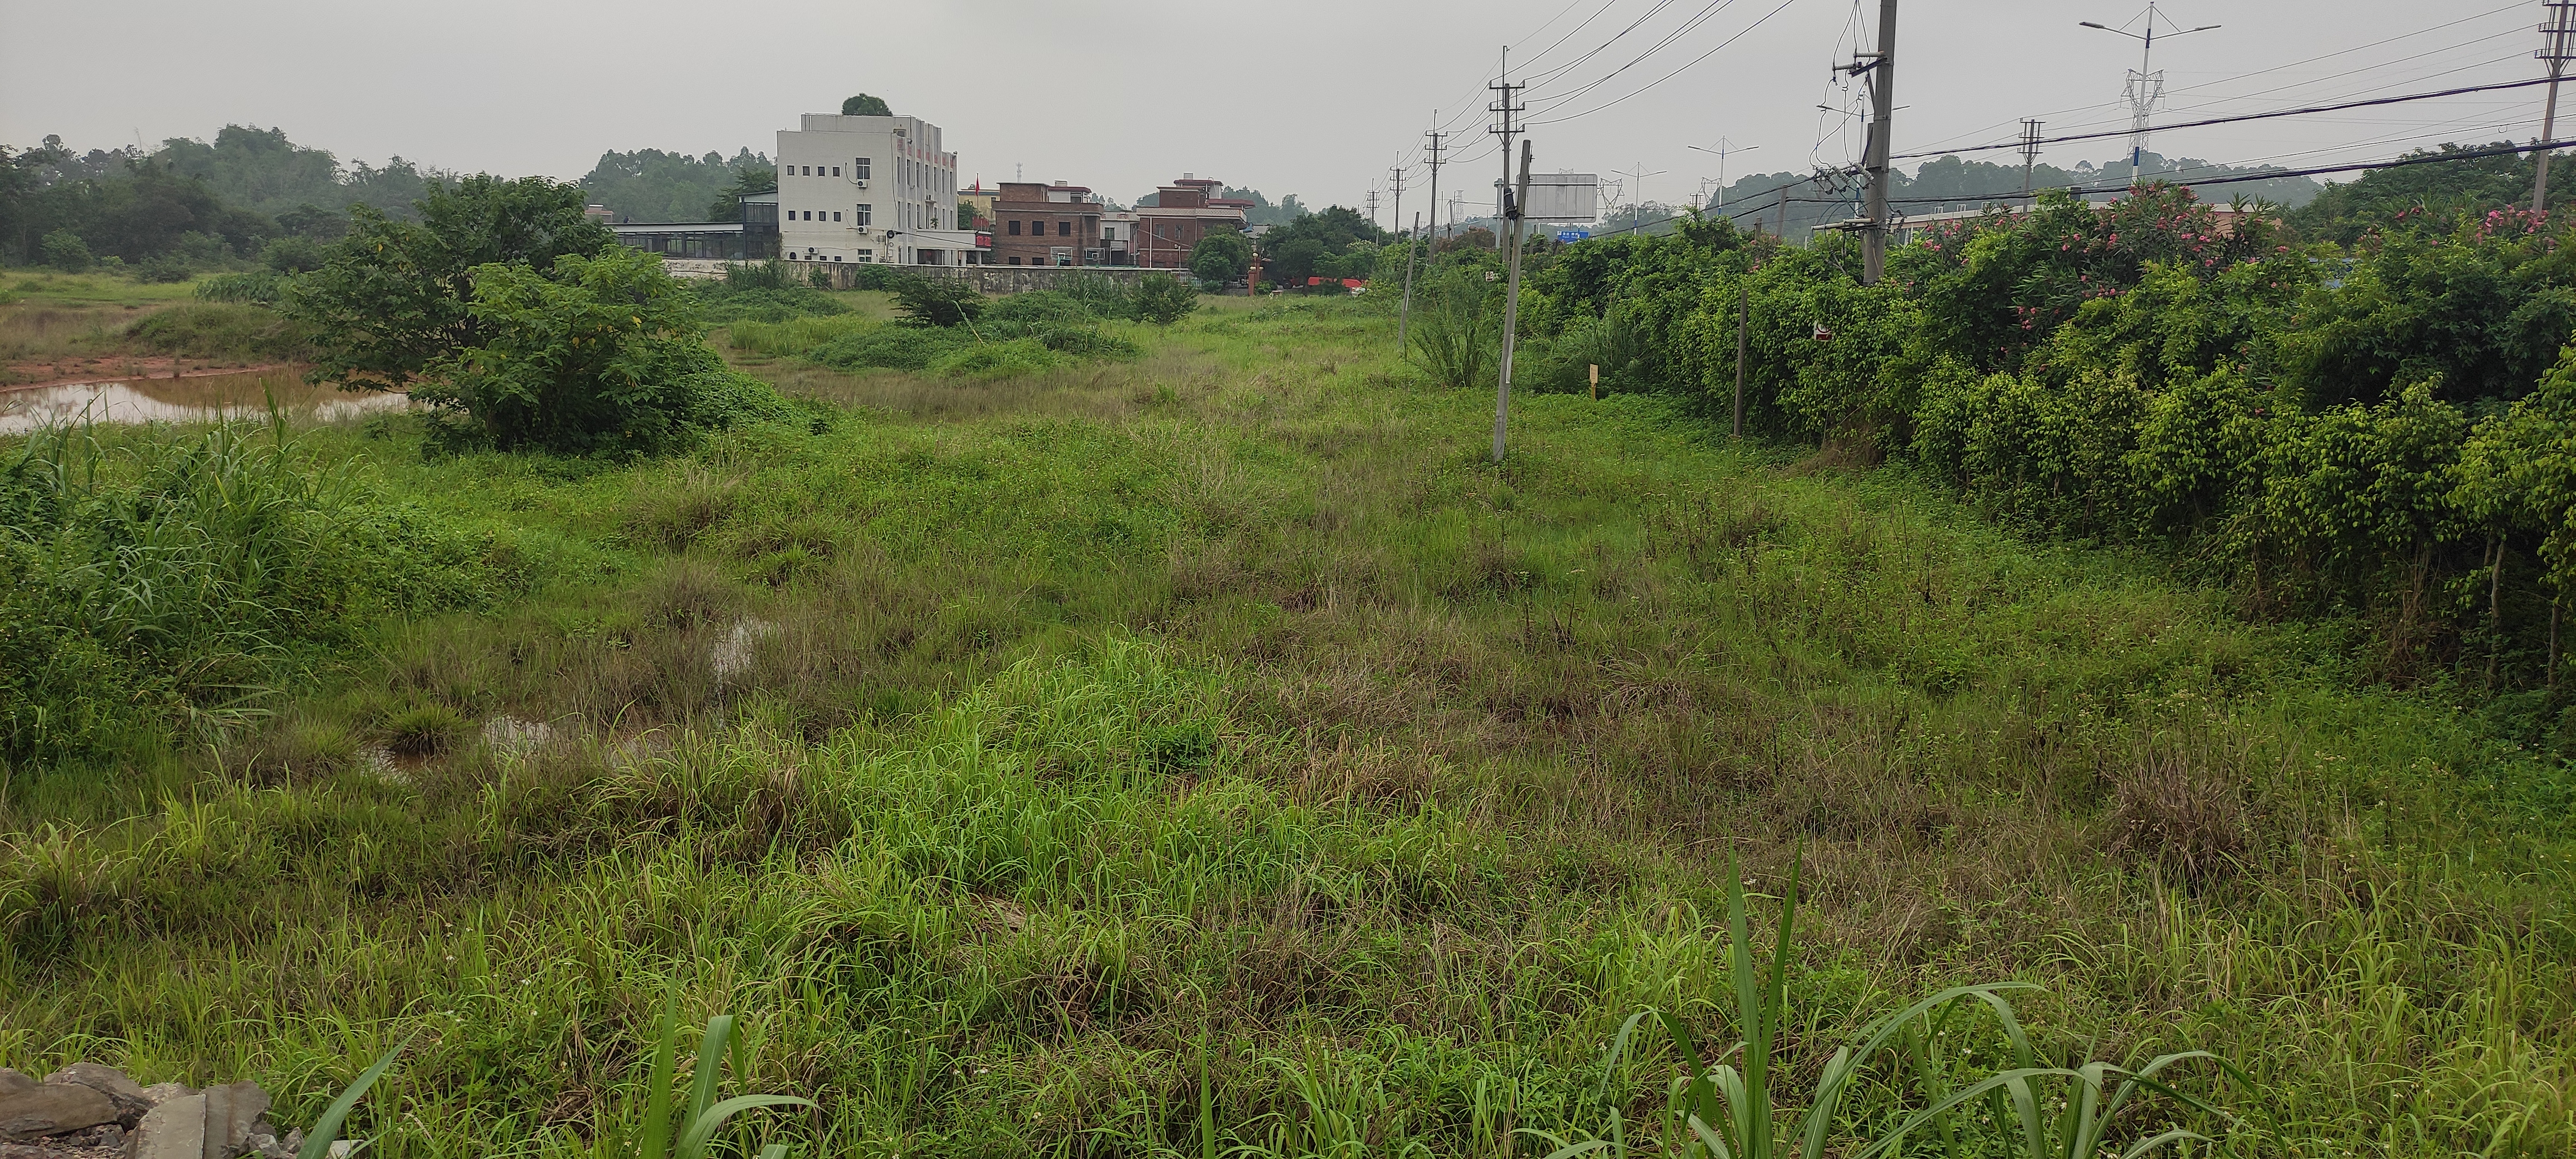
x,y
2145,88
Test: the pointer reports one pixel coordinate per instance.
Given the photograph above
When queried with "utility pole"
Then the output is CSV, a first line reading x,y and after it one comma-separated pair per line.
x,y
2145,88
2559,29
1882,99
1434,151
1372,208
1412,251
1514,197
1395,177
1506,109
2029,153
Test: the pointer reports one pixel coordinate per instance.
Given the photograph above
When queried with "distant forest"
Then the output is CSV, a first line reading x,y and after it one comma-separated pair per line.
x,y
651,185
189,205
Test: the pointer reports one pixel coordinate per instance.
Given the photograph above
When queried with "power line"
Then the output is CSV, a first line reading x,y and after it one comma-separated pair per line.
x,y
2400,163
1676,72
2518,84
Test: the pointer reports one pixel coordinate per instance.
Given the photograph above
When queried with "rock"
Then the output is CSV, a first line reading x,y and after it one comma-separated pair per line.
x,y
159,1093
230,1111
176,1129
11,1082
343,1148
111,1136
51,1109
120,1090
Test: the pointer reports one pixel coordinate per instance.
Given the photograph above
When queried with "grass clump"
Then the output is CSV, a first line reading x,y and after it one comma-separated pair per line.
x,y
154,584
761,292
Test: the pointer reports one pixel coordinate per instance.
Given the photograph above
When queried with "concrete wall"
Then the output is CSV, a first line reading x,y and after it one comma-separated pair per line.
x,y
987,279
1018,279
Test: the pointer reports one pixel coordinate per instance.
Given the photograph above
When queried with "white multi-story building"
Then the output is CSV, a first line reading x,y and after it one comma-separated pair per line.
x,y
869,189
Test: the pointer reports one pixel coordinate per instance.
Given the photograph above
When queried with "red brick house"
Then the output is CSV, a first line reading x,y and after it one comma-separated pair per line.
x,y
1045,225
1184,212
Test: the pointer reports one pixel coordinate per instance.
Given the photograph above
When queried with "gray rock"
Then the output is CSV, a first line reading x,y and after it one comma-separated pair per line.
x,y
159,1093
51,1109
343,1148
230,1111
120,1090
176,1129
11,1082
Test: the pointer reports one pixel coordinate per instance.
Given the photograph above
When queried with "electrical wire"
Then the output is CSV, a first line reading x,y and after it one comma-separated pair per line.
x,y
2371,103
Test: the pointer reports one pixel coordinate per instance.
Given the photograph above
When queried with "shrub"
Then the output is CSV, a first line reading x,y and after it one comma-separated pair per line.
x,y
64,250
929,301
889,347
294,255
997,359
603,357
1456,334
1162,300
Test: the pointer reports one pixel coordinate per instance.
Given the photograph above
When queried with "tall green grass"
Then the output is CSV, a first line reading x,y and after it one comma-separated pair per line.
x,y
1211,754
172,581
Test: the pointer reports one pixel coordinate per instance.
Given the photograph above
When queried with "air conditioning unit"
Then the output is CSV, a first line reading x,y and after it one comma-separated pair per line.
x,y
861,182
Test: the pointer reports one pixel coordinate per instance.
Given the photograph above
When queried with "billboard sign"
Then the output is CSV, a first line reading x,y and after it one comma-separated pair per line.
x,y
1566,197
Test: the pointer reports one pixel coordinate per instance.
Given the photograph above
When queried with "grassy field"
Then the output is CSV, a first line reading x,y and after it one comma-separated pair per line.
x,y
1214,751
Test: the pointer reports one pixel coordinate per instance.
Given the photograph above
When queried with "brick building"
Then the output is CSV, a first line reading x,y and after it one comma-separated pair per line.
x,y
1184,211
1046,225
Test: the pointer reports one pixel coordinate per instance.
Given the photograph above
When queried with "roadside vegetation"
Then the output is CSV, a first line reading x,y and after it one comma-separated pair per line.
x,y
1111,722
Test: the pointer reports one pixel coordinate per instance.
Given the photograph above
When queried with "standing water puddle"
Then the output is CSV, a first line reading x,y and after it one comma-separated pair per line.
x,y
184,400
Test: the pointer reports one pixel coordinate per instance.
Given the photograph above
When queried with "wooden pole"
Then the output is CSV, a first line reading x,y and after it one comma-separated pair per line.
x,y
1743,313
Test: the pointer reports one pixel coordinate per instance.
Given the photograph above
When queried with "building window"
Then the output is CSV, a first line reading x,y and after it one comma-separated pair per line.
x,y
836,171
1015,227
836,215
865,215
859,167
1064,229
1015,259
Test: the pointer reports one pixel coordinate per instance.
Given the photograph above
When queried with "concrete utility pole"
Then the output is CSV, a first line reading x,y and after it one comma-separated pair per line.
x,y
1507,108
1395,178
1372,208
2561,26
1434,151
1514,197
2029,153
2145,88
1882,99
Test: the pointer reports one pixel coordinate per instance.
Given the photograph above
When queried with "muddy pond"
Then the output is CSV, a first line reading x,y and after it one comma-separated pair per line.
x,y
195,399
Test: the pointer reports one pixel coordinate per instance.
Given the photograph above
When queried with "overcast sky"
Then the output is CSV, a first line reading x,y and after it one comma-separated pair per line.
x,y
1314,97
